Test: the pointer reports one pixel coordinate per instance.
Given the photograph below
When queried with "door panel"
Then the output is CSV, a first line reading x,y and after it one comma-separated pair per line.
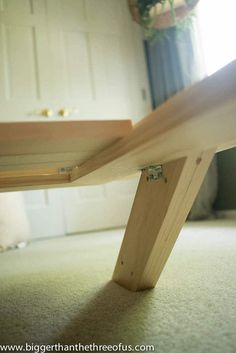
x,y
111,69
92,57
45,212
24,48
99,207
78,65
106,16
74,13
21,7
21,69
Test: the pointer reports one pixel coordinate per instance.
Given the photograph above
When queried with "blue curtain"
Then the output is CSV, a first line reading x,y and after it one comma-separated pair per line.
x,y
173,64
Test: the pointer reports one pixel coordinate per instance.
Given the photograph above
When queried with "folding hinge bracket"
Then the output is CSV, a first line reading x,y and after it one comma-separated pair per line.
x,y
65,170
154,172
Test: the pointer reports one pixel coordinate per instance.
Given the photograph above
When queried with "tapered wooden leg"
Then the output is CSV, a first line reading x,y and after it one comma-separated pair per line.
x,y
159,211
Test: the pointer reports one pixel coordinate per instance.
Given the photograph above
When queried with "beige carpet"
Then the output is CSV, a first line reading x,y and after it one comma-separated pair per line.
x,y
58,290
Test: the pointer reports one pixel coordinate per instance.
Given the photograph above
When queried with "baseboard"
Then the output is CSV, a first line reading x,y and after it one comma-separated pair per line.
x,y
226,214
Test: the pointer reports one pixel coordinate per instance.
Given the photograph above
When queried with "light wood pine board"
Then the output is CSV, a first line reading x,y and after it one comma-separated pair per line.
x,y
32,153
158,214
199,118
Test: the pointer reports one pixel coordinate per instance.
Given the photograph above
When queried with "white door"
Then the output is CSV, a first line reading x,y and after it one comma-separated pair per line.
x,y
83,57
24,80
25,90
45,212
97,60
106,45
98,207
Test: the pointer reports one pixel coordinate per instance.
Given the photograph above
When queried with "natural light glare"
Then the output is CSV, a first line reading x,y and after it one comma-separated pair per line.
x,y
217,22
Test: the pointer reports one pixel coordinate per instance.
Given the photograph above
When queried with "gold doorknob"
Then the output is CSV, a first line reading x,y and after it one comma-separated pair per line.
x,y
47,112
64,112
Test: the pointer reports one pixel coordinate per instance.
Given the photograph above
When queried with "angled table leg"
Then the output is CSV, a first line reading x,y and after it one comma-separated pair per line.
x,y
159,211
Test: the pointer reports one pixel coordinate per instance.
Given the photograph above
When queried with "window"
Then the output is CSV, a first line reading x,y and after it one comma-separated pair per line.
x,y
217,30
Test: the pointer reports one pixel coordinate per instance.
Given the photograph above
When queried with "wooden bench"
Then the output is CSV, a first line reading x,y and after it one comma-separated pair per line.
x,y
172,147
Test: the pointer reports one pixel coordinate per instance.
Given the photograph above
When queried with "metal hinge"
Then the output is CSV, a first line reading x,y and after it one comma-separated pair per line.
x,y
65,170
154,172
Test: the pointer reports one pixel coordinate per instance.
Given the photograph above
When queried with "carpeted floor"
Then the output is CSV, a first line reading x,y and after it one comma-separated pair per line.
x,y
58,290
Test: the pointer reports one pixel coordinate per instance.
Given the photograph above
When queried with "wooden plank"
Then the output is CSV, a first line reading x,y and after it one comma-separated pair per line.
x,y
57,131
158,214
9,162
31,149
10,182
199,118
63,136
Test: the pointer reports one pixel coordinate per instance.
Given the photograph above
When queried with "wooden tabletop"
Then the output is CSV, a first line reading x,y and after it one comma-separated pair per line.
x,y
39,155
